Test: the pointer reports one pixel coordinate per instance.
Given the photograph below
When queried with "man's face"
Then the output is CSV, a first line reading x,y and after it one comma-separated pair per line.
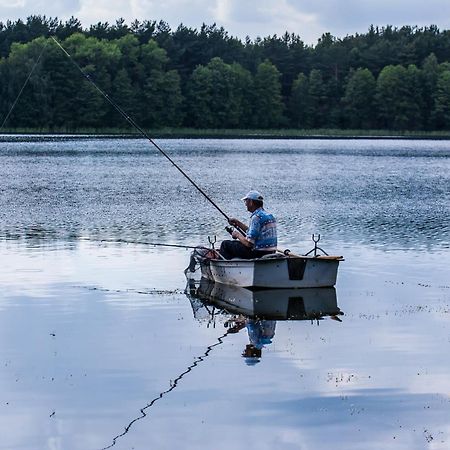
x,y
249,204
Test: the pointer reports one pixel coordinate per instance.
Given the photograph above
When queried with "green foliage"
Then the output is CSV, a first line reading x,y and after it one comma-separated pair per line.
x,y
397,98
267,101
359,98
34,109
199,94
430,73
389,78
299,102
218,95
318,105
441,110
415,99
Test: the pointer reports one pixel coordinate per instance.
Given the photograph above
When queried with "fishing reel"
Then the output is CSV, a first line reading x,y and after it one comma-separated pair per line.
x,y
229,229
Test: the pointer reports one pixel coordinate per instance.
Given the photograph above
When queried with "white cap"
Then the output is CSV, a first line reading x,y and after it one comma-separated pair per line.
x,y
253,195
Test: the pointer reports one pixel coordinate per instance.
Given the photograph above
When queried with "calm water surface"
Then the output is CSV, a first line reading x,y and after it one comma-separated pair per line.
x,y
103,346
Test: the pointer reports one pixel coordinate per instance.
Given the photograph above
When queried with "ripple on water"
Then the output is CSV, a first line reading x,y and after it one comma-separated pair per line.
x,y
385,192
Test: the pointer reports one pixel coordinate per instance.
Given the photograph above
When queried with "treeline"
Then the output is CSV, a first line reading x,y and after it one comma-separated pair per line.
x,y
388,78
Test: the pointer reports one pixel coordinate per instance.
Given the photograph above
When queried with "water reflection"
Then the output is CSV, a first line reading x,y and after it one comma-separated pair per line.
x,y
269,304
258,311
144,411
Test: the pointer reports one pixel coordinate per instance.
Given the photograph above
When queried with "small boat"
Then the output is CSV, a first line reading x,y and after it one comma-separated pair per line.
x,y
268,304
272,271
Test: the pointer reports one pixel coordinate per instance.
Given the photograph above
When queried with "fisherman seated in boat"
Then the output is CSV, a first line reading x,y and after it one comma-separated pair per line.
x,y
260,236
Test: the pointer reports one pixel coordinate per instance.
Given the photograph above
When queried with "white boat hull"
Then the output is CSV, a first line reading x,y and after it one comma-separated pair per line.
x,y
274,272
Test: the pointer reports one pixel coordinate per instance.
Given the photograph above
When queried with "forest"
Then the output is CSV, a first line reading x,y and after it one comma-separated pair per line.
x,y
385,79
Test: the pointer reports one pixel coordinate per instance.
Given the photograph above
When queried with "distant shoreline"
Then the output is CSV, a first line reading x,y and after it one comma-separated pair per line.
x,y
189,133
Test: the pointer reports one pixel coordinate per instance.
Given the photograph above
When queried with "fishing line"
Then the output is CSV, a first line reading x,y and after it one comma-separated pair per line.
x,y
139,129
173,384
24,84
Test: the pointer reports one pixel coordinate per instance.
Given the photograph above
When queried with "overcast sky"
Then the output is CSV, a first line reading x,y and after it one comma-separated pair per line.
x,y
307,18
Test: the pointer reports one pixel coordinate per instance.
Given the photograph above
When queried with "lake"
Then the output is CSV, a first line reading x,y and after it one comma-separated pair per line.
x,y
103,344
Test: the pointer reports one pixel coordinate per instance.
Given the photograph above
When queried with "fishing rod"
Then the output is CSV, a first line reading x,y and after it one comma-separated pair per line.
x,y
286,252
156,244
140,130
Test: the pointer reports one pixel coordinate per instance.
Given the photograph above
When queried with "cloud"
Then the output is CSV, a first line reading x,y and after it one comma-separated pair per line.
x,y
252,17
12,4
222,10
189,12
352,16
93,11
307,18
264,17
21,9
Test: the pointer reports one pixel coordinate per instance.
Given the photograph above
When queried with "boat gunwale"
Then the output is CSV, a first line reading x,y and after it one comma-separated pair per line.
x,y
278,258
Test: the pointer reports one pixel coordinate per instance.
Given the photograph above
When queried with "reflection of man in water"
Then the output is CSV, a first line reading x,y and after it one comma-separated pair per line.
x,y
260,333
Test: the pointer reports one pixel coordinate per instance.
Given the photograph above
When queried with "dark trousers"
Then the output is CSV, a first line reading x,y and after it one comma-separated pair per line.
x,y
235,249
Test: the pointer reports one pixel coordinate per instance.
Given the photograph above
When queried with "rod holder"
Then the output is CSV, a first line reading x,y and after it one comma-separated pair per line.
x,y
316,238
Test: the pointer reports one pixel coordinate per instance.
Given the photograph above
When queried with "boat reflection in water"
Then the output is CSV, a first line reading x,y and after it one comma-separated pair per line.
x,y
258,310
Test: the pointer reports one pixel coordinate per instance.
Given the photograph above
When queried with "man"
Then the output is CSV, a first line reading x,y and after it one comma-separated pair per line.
x,y
260,235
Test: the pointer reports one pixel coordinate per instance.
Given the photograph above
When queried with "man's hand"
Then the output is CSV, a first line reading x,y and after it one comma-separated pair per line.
x,y
237,223
241,238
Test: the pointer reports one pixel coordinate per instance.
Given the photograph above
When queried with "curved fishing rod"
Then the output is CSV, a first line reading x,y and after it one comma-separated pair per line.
x,y
140,130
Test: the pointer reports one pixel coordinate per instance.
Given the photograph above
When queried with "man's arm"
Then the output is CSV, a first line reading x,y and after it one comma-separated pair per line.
x,y
242,239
